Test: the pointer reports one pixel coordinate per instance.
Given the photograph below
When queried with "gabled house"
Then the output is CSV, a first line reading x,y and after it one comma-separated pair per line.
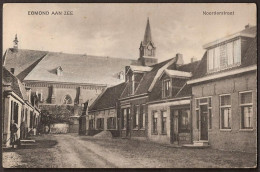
x,y
133,101
224,89
103,114
169,115
20,105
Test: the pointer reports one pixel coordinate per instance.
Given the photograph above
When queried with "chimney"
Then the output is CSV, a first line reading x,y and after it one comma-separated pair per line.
x,y
179,59
12,70
193,59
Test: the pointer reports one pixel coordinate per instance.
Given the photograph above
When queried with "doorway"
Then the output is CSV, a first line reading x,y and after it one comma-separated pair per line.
x,y
203,122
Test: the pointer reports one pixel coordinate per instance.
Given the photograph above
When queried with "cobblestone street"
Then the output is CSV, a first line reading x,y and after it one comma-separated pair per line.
x,y
73,151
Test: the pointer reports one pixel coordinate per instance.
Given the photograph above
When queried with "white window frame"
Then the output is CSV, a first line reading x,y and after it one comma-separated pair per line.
x,y
220,113
240,110
197,109
218,61
164,88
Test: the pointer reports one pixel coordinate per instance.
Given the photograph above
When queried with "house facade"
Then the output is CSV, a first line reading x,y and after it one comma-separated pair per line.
x,y
103,114
18,104
169,106
224,93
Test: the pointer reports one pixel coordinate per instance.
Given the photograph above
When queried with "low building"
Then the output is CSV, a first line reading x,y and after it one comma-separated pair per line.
x,y
103,114
20,105
224,89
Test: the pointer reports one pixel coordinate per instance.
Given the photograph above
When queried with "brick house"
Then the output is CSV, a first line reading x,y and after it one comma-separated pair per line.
x,y
18,104
103,114
224,93
169,116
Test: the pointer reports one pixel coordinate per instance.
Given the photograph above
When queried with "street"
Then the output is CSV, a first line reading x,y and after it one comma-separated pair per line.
x,y
73,151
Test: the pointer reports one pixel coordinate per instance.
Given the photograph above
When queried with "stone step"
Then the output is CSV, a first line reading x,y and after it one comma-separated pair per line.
x,y
200,143
27,141
195,146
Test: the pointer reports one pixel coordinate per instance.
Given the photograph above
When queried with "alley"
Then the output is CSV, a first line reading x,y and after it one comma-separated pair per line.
x,y
73,151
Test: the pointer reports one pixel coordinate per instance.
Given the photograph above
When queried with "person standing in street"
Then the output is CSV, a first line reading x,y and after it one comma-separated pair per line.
x,y
14,129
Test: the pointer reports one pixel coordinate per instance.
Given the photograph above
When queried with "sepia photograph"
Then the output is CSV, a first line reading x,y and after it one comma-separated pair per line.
x,y
129,85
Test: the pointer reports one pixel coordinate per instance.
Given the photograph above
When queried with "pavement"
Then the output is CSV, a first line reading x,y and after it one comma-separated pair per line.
x,y
74,151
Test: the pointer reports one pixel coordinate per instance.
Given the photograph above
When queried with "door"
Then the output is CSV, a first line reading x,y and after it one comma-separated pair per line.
x,y
174,126
203,122
128,122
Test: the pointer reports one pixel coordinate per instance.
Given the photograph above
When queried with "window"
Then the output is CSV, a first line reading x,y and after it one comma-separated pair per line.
x,y
100,123
224,56
164,119
142,116
246,104
111,123
184,120
135,116
67,100
225,112
210,112
154,122
91,124
166,88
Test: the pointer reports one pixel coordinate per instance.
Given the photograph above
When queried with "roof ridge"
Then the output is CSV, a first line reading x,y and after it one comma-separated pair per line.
x,y
161,69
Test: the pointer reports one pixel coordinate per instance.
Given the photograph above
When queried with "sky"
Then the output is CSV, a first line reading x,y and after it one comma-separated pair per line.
x,y
116,30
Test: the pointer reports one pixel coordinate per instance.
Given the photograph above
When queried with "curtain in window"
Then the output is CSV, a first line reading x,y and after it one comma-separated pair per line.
x,y
226,118
216,58
223,55
230,53
210,58
237,51
247,117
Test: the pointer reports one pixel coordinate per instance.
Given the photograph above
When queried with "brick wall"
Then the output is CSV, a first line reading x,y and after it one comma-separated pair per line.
x,y
234,139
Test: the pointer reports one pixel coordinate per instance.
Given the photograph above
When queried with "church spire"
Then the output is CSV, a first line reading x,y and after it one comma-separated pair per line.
x,y
147,34
147,48
15,42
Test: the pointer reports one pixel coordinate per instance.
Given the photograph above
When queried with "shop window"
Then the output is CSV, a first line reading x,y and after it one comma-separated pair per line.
x,y
184,120
246,104
225,112
164,119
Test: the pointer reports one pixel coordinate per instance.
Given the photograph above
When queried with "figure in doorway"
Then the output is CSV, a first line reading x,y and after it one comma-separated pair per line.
x,y
14,137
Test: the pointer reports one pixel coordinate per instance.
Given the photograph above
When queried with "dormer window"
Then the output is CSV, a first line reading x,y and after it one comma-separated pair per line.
x,y
59,71
225,55
166,88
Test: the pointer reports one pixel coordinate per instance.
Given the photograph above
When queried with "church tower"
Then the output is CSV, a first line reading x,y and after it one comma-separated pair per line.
x,y
147,48
15,42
